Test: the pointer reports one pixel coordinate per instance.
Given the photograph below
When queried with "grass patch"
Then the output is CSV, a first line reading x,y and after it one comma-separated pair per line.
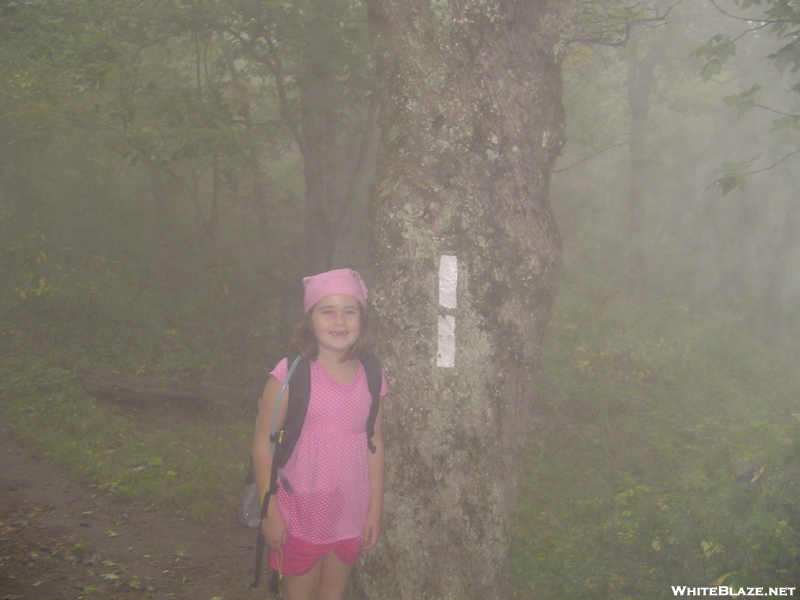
x,y
156,458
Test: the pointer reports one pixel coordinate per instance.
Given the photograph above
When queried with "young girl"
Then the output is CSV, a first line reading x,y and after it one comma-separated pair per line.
x,y
330,495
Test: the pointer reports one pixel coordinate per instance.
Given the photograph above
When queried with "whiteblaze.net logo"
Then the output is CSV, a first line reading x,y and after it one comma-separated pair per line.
x,y
731,592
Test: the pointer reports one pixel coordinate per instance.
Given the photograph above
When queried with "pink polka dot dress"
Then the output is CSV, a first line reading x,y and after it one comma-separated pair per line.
x,y
323,490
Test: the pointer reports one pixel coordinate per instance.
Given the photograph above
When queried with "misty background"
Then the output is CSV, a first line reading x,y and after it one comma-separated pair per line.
x,y
170,171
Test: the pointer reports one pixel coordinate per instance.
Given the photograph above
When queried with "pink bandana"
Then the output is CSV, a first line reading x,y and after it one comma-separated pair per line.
x,y
339,281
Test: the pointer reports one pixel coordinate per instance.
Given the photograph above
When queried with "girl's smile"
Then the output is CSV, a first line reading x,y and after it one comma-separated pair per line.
x,y
336,320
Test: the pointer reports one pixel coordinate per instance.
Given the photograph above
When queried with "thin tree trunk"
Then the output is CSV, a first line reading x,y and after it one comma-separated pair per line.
x,y
773,274
641,78
472,123
317,96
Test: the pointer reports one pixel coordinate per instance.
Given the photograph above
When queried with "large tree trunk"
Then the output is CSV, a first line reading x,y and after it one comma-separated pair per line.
x,y
472,123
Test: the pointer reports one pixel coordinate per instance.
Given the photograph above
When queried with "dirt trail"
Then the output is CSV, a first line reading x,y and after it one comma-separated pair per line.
x,y
60,542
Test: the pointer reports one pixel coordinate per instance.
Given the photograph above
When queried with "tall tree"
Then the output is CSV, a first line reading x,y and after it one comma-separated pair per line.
x,y
319,57
467,254
641,68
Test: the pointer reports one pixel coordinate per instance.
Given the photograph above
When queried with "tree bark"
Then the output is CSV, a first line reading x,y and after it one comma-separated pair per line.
x,y
472,124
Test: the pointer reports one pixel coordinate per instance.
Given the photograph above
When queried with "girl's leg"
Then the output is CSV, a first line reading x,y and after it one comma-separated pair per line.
x,y
334,578
305,586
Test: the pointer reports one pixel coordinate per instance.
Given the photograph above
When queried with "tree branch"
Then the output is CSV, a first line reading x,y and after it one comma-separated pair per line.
x,y
617,32
774,165
763,22
590,156
776,111
274,64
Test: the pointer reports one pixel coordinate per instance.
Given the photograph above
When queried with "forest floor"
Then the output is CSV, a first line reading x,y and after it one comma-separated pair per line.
x,y
61,541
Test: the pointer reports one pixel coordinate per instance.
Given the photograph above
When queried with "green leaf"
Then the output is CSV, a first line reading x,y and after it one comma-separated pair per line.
x,y
744,101
787,122
734,178
716,52
711,68
788,56
727,184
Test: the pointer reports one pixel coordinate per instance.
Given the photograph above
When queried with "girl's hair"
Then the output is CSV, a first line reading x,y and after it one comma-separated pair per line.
x,y
305,342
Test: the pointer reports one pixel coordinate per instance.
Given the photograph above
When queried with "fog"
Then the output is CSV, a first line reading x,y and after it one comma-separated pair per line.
x,y
665,189
166,178
663,227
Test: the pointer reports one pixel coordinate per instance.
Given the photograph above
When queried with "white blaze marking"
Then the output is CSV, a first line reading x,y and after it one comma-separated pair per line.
x,y
448,281
448,284
446,356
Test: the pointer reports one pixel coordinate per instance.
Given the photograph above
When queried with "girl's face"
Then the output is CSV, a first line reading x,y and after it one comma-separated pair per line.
x,y
336,320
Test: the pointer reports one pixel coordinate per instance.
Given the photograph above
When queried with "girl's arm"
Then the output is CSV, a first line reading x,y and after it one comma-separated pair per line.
x,y
375,463
273,527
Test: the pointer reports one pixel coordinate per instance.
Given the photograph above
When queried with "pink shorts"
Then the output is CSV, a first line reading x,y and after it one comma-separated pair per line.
x,y
298,557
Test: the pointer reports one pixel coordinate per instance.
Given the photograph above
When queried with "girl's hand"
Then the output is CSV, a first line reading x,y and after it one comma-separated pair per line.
x,y
372,531
273,527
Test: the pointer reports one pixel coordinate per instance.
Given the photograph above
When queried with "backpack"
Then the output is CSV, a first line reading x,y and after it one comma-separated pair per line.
x,y
285,440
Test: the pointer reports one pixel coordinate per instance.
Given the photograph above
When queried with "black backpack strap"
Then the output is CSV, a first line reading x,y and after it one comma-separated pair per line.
x,y
297,403
296,409
374,371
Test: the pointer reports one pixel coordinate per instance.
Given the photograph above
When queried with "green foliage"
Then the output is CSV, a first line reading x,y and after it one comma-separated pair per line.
x,y
666,454
744,101
788,122
780,17
784,19
202,322
788,56
204,98
735,177
715,52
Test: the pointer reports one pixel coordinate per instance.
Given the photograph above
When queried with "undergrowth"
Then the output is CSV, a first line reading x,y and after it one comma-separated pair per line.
x,y
665,453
